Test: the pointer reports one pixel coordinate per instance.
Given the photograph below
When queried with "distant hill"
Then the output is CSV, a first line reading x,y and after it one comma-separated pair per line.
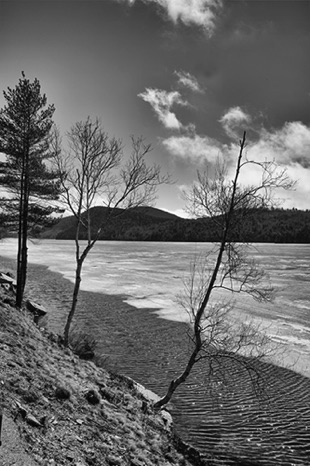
x,y
150,224
115,222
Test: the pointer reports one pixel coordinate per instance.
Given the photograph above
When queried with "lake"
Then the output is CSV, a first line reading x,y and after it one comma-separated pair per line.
x,y
142,331
152,275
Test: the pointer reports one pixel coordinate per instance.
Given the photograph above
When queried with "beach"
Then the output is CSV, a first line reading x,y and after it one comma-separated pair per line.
x,y
229,421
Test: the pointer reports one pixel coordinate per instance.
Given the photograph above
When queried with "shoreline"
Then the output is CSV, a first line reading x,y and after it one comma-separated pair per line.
x,y
141,345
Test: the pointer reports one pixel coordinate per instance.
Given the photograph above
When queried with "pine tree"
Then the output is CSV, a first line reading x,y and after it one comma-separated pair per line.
x,y
25,136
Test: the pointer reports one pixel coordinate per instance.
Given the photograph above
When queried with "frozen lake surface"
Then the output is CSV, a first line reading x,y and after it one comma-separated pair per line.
x,y
152,274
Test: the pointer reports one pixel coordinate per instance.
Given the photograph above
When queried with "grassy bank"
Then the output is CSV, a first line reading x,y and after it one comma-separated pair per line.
x,y
69,411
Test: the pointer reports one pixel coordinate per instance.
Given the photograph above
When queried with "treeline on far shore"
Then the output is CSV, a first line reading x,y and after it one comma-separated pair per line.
x,y
150,224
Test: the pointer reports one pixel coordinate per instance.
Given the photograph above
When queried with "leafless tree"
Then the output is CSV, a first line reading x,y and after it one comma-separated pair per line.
x,y
95,170
215,335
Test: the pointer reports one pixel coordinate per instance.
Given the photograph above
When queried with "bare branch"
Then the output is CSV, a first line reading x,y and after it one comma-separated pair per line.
x,y
216,334
93,172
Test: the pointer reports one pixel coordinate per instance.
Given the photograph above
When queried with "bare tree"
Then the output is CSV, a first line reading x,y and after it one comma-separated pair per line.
x,y
229,270
94,170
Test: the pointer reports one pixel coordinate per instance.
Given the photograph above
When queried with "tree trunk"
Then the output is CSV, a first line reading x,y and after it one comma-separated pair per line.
x,y
181,379
25,233
19,277
23,227
78,279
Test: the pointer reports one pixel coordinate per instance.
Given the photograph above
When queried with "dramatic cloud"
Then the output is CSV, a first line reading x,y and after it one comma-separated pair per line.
x,y
188,80
287,145
233,120
162,101
200,13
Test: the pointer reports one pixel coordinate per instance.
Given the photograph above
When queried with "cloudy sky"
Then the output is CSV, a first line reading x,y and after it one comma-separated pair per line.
x,y
188,75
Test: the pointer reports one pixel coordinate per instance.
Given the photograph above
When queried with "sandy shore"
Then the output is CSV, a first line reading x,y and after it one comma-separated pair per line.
x,y
229,421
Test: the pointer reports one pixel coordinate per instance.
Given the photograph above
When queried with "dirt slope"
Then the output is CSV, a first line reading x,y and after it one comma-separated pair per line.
x,y
61,410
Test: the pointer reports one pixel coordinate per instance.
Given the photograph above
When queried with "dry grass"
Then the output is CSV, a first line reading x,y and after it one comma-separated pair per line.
x,y
73,431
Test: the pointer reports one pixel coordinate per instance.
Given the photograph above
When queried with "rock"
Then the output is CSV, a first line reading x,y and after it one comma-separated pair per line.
x,y
30,396
21,410
115,460
92,397
44,420
6,279
29,418
32,421
9,299
7,282
86,354
35,308
39,313
62,393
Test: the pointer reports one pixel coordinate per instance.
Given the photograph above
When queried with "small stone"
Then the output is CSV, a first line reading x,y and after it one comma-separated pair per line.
x,y
114,460
5,278
32,421
92,397
36,308
44,400
21,410
43,420
30,396
62,393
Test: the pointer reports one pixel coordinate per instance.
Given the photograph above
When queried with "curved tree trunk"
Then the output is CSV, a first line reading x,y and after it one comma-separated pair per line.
x,y
179,380
77,283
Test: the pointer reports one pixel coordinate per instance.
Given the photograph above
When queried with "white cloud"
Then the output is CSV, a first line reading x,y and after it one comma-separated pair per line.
x,y
200,13
287,145
194,149
162,101
233,120
188,80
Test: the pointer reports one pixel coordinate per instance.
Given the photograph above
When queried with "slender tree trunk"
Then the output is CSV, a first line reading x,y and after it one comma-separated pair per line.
x,y
179,380
78,278
77,283
25,228
22,257
19,278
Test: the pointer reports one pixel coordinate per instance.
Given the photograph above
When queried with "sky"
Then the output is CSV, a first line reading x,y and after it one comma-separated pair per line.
x,y
188,75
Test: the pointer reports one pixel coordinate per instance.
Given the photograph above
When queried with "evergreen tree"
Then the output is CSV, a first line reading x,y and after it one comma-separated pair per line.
x,y
25,136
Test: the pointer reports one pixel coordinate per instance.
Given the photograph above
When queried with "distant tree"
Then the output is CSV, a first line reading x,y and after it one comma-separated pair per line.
x,y
25,131
94,170
215,337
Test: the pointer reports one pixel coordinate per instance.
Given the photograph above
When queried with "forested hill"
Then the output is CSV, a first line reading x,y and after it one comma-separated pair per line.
x,y
150,224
